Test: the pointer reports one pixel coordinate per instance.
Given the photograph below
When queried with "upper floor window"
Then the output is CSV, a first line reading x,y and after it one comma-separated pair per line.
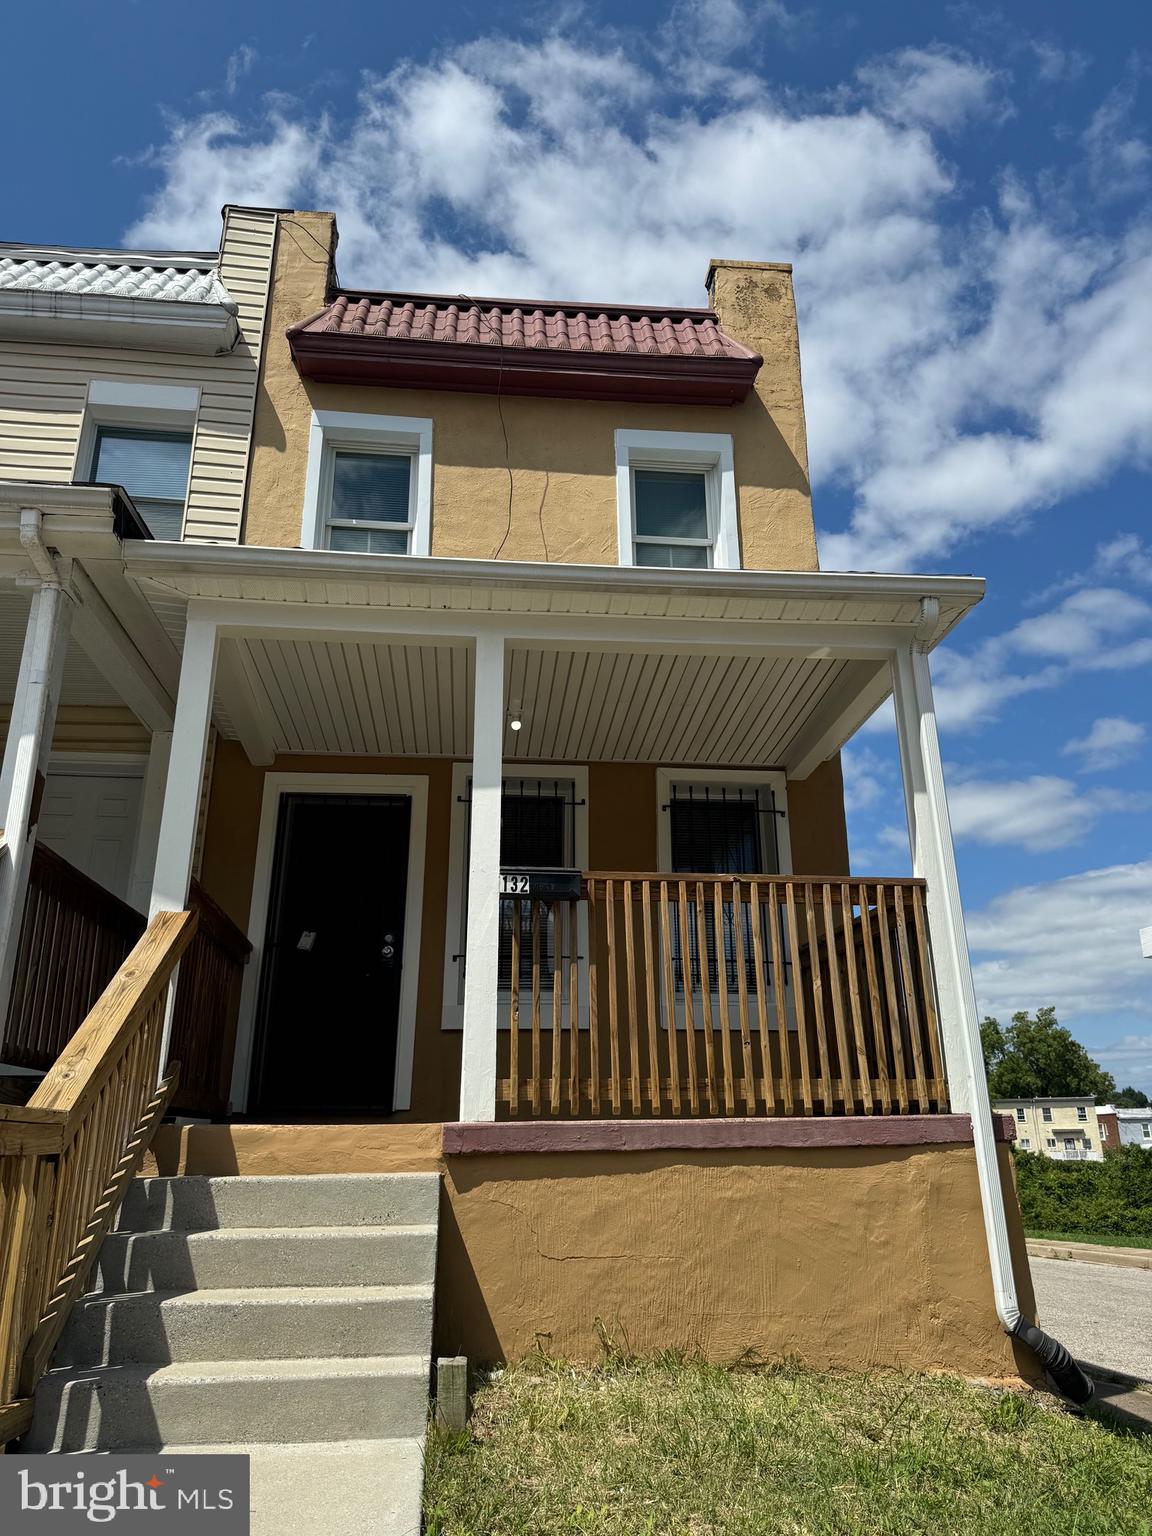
x,y
1046,1113
152,467
370,502
369,484
676,500
1081,1112
1020,1112
673,525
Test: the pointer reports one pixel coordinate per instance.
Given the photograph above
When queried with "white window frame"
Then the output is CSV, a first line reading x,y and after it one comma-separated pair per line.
x,y
1081,1112
415,787
709,453
453,1010
743,778
136,408
360,432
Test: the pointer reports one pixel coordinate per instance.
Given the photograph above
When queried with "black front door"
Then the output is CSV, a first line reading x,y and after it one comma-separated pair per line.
x,y
330,987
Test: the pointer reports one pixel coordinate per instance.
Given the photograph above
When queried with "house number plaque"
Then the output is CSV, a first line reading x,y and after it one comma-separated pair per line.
x,y
544,884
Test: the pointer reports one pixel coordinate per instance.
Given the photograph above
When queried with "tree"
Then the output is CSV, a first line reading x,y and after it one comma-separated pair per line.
x,y
1037,1058
1130,1098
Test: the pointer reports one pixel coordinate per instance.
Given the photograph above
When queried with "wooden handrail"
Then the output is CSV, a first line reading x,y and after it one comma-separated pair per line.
x,y
715,994
67,1157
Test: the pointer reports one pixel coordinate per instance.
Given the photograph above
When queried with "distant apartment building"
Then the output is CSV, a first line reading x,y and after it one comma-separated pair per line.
x,y
1066,1129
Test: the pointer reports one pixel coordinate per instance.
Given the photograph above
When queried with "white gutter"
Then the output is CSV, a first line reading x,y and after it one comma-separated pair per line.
x,y
32,542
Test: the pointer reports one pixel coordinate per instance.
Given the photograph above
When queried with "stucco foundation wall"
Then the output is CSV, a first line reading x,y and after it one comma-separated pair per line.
x,y
846,1259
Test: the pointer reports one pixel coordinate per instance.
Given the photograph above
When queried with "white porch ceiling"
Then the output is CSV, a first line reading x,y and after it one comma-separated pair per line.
x,y
576,706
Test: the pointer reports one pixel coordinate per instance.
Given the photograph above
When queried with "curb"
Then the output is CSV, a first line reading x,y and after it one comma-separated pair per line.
x,y
1090,1253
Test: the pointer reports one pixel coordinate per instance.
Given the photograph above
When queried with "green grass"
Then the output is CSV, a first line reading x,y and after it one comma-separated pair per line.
x,y
680,1448
1106,1239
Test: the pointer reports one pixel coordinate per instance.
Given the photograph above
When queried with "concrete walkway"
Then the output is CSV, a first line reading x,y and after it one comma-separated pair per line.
x,y
1102,1313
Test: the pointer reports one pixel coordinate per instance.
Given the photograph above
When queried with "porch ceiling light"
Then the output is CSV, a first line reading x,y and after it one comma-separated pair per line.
x,y
515,723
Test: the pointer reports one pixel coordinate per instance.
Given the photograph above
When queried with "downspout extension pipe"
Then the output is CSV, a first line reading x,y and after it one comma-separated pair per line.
x,y
1061,1368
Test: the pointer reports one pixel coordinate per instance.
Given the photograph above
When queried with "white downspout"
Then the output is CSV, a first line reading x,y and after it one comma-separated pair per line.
x,y
934,860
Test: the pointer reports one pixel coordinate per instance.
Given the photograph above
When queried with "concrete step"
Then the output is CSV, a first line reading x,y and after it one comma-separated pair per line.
x,y
225,1402
275,1256
196,1204
331,1487
248,1323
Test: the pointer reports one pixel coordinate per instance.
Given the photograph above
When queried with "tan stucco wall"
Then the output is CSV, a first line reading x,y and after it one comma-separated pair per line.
x,y
841,1258
562,452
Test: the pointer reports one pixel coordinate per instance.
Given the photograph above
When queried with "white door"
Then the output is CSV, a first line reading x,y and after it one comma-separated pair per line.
x,y
90,818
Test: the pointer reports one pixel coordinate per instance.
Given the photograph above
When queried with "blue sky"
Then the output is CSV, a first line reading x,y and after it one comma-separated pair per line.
x,y
964,191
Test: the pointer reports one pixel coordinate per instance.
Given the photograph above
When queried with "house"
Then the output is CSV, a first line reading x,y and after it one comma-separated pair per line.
x,y
1109,1130
487,698
1067,1129
1134,1128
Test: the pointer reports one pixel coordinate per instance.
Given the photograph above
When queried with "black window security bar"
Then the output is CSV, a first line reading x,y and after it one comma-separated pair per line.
x,y
722,829
537,831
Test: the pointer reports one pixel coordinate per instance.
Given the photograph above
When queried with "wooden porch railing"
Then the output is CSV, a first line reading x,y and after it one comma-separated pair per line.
x,y
68,1156
722,995
207,1008
73,940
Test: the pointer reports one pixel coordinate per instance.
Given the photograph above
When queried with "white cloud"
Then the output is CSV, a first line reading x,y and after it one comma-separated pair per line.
x,y
1072,942
1084,629
1129,1060
961,371
1119,157
1111,742
1039,813
938,87
239,64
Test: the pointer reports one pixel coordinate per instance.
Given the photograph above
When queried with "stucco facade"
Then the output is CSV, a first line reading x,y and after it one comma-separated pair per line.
x,y
552,495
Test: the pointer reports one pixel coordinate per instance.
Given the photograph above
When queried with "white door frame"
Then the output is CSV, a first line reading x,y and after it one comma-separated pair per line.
x,y
415,786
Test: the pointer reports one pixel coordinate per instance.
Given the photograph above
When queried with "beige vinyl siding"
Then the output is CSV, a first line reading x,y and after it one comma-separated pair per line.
x,y
43,390
84,728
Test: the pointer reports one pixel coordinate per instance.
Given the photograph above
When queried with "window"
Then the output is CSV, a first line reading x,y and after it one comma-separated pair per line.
x,y
1025,1143
369,484
1046,1114
676,500
1069,1143
1146,1131
543,825
1020,1112
723,824
1088,1141
370,502
672,523
152,467
1051,1141
1081,1112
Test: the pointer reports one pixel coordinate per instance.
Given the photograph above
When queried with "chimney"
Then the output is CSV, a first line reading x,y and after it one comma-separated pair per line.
x,y
755,304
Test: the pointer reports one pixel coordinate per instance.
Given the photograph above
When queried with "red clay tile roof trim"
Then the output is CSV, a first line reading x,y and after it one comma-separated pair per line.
x,y
442,342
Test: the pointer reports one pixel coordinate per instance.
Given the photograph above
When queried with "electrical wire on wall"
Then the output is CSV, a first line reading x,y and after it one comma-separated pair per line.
x,y
499,337
329,252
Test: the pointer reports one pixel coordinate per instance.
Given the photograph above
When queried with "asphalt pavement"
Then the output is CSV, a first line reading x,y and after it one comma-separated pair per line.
x,y
1103,1314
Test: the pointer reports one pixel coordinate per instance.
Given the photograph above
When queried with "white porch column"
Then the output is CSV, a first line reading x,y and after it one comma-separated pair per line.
x,y
482,939
148,831
934,860
26,760
176,844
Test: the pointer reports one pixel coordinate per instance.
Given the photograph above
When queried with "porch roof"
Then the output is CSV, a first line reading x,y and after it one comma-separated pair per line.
x,y
324,652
